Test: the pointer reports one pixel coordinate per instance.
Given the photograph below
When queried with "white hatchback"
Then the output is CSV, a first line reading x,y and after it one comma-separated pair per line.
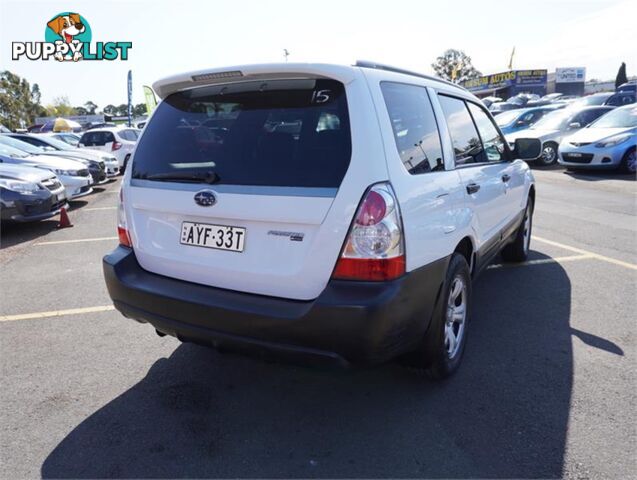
x,y
118,141
331,213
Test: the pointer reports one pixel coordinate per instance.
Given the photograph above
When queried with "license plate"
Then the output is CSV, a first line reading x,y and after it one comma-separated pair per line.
x,y
220,237
575,155
60,197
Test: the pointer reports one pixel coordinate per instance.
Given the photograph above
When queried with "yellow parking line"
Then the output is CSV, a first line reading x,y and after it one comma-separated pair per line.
x,y
78,240
541,261
56,313
99,208
597,256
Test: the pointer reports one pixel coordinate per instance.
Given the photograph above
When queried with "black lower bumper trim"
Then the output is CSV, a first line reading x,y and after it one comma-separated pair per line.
x,y
350,322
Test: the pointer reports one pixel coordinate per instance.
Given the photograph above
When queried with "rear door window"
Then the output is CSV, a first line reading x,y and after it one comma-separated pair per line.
x,y
414,126
464,136
276,133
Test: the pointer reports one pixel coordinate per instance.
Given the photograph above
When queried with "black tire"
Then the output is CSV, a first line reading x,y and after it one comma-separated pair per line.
x,y
518,250
548,156
627,164
432,358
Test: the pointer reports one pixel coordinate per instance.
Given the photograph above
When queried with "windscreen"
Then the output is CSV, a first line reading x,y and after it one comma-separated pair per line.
x,y
618,118
553,121
291,133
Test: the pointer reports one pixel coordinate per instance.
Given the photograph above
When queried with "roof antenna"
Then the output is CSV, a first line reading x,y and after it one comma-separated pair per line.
x,y
286,54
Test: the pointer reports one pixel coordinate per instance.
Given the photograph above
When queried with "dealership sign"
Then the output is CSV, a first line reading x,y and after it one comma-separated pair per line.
x,y
522,78
570,75
68,37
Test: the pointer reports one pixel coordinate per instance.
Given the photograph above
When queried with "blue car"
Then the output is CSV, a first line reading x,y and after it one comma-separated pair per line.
x,y
515,120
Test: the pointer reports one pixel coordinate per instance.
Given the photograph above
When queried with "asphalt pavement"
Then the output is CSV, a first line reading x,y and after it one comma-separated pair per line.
x,y
546,389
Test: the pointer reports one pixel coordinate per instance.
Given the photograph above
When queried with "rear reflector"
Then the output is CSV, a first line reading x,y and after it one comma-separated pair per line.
x,y
370,268
116,146
124,237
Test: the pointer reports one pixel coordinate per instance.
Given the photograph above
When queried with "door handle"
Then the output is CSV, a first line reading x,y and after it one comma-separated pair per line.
x,y
506,177
472,188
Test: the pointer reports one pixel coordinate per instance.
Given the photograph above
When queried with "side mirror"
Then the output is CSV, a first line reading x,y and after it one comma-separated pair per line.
x,y
527,148
574,125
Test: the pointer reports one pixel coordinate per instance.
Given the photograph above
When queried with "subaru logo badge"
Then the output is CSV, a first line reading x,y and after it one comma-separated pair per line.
x,y
205,198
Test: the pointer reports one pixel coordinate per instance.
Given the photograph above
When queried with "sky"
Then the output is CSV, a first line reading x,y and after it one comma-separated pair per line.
x,y
170,37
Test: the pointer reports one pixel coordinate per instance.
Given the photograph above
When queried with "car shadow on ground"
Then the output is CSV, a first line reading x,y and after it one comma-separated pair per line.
x,y
12,234
504,414
597,175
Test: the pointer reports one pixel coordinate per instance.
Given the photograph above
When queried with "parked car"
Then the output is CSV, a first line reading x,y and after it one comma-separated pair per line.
x,y
67,137
554,126
630,86
95,168
29,194
608,142
591,100
488,101
618,99
499,107
100,165
118,141
73,174
350,239
520,119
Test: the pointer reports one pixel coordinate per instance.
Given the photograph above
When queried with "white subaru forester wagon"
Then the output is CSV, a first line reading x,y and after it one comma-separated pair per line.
x,y
321,213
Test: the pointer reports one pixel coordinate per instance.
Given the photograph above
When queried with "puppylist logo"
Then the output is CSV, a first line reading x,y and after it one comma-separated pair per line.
x,y
68,37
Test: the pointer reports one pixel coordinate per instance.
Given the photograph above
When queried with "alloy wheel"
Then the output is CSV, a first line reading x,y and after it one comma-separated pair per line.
x,y
456,316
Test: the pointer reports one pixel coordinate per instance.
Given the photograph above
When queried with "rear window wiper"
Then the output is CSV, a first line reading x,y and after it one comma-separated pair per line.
x,y
204,177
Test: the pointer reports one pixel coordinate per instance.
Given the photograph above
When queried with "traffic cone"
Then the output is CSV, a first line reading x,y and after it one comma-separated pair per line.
x,y
64,219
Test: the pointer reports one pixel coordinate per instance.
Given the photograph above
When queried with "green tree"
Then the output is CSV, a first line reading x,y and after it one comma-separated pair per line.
x,y
61,107
90,108
110,109
19,103
621,75
139,110
81,111
455,66
122,110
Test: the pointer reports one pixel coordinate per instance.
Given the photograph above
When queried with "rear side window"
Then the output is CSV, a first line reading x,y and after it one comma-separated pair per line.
x,y
414,126
464,136
291,133
130,135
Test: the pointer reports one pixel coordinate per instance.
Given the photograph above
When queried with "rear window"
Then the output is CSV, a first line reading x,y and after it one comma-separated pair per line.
x,y
290,133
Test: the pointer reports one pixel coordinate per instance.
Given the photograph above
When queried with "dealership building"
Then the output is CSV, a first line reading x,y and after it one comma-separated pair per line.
x,y
569,81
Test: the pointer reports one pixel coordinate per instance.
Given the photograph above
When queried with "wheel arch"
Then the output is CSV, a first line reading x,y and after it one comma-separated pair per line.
x,y
466,248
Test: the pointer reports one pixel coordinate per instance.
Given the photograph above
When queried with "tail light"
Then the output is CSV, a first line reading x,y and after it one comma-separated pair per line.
x,y
122,227
116,146
374,249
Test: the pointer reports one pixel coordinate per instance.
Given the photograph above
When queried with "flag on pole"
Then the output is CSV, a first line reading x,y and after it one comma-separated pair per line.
x,y
511,59
130,98
151,101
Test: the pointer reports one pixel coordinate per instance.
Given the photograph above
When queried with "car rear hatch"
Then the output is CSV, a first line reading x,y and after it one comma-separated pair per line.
x,y
231,185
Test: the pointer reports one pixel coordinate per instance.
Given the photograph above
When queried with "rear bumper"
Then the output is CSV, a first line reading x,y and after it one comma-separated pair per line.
x,y
350,322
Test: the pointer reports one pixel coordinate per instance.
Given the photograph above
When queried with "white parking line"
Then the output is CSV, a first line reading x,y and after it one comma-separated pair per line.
x,y
56,313
542,261
99,208
597,256
78,240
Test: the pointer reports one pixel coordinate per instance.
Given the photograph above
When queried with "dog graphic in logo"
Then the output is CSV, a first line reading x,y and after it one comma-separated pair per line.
x,y
67,26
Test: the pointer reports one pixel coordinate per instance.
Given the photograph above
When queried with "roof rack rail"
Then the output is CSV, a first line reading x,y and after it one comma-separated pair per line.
x,y
389,68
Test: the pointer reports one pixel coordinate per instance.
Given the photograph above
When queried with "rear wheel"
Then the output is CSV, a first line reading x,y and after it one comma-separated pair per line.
x,y
629,162
518,250
549,154
440,352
